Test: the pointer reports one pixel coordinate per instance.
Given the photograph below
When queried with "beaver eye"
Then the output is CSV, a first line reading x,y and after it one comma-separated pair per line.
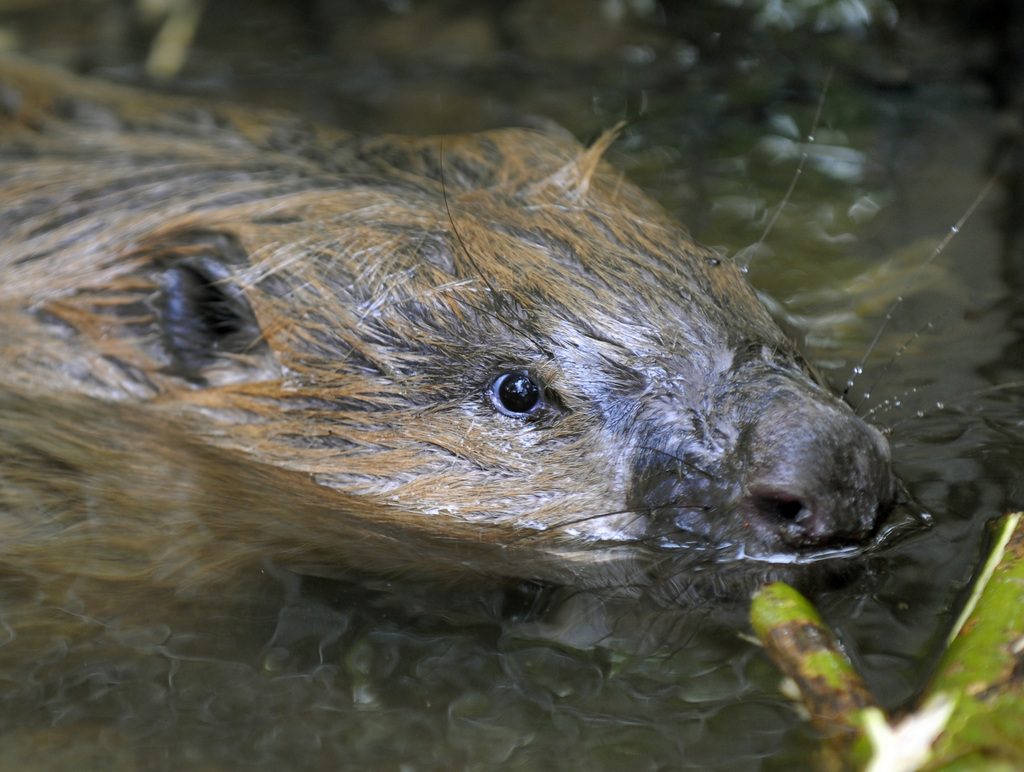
x,y
515,394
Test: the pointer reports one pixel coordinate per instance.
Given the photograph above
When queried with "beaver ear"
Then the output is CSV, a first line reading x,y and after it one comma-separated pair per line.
x,y
208,329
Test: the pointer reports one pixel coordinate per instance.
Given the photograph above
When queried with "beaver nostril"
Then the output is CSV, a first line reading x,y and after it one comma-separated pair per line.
x,y
777,508
798,521
816,477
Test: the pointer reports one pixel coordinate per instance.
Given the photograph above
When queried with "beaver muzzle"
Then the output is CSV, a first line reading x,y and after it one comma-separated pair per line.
x,y
802,474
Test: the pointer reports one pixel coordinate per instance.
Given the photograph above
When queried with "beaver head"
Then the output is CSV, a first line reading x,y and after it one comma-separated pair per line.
x,y
485,354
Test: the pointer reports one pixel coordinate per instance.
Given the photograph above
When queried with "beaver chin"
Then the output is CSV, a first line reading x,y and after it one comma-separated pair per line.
x,y
729,573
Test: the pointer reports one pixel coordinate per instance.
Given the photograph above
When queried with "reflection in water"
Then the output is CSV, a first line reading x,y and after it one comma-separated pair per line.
x,y
296,672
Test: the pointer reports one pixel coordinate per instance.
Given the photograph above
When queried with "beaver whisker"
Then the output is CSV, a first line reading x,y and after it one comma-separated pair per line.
x,y
926,327
885,406
639,515
679,460
465,250
955,229
799,168
948,404
581,520
451,220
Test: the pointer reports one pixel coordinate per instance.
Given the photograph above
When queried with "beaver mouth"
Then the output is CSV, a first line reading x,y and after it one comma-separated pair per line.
x,y
688,531
685,567
725,549
807,522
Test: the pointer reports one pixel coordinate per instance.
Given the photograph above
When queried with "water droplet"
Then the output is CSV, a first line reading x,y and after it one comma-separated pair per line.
x,y
920,414
858,370
940,406
954,229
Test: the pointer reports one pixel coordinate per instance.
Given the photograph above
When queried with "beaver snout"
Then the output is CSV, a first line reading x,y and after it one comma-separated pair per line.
x,y
802,474
815,477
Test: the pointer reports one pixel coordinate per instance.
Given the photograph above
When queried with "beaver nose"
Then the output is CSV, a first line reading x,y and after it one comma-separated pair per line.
x,y
815,476
802,520
802,473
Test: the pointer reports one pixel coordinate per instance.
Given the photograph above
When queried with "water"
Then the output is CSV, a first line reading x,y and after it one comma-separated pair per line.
x,y
313,674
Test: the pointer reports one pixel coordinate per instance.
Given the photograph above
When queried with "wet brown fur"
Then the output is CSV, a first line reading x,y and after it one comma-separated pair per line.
x,y
391,278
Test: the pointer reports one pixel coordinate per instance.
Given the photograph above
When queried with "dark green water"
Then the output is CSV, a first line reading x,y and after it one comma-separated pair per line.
x,y
382,676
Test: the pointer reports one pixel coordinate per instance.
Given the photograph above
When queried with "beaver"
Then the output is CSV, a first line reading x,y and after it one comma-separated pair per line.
x,y
231,337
